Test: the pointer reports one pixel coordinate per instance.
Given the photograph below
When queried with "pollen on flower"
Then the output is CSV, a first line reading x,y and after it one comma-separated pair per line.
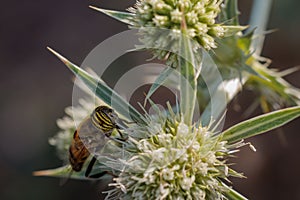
x,y
160,20
211,157
182,129
167,174
217,31
187,182
192,18
202,167
176,16
201,28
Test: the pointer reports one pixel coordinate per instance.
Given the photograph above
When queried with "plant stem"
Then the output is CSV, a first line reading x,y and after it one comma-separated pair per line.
x,y
259,19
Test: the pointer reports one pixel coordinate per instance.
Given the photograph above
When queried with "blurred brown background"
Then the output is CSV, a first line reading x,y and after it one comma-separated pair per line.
x,y
36,88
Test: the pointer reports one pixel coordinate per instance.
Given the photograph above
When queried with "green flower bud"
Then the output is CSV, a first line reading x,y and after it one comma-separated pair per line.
x,y
176,16
160,20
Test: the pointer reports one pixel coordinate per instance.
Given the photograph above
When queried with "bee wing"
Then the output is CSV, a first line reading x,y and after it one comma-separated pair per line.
x,y
93,138
65,179
107,150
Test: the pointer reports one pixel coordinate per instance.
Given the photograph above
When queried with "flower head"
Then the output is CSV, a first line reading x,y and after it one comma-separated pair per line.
x,y
175,161
154,17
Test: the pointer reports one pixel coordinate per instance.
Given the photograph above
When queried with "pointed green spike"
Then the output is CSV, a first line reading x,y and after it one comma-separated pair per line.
x,y
231,194
124,17
250,70
104,92
159,81
230,12
232,30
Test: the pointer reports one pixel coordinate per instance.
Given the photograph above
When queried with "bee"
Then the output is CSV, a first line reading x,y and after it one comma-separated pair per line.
x,y
92,133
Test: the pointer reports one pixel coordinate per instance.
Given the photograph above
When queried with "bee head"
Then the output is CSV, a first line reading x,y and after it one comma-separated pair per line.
x,y
108,111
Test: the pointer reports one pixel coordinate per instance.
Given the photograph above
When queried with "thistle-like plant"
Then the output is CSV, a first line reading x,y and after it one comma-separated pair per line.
x,y
168,154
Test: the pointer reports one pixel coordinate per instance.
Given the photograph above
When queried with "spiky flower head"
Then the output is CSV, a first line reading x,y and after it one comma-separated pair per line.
x,y
199,17
174,161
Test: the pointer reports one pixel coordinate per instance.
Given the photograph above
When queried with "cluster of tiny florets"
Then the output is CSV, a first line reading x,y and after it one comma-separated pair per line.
x,y
160,22
175,162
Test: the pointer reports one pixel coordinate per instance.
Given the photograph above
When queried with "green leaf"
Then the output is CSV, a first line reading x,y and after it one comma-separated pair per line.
x,y
57,172
103,91
216,88
158,82
231,194
223,93
62,172
230,12
124,17
67,172
252,71
260,124
188,79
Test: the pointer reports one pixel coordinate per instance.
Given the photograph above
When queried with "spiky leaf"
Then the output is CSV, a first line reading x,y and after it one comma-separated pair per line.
x,y
231,194
103,91
124,17
162,77
260,124
230,12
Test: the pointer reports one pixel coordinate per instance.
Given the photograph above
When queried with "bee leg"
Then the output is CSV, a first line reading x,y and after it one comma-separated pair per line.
x,y
122,136
108,134
123,123
90,167
127,122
